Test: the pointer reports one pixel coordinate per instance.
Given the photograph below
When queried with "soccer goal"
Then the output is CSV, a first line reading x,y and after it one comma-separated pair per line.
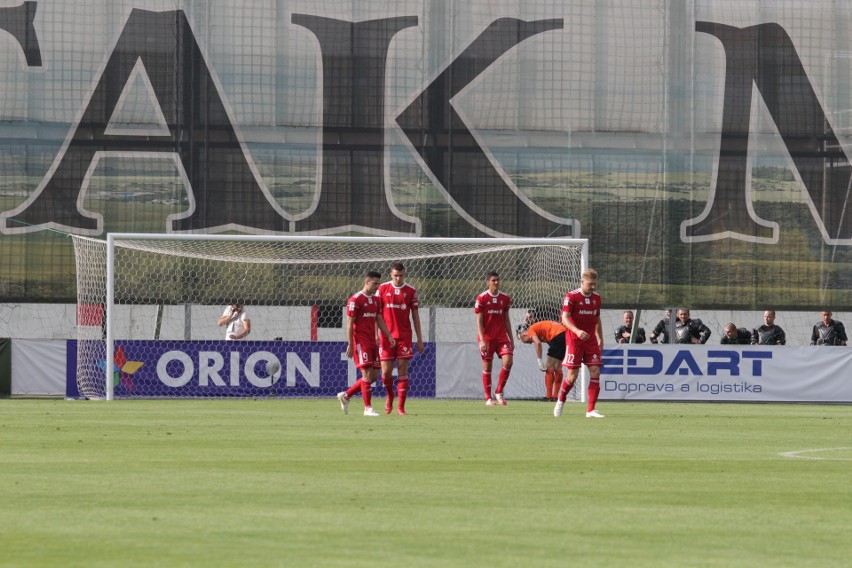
x,y
149,308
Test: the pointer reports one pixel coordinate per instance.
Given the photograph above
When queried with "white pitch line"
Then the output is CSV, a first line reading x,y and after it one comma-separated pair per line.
x,y
798,454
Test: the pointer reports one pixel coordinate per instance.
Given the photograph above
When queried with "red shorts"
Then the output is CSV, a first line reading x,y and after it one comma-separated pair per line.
x,y
579,352
366,356
500,346
402,349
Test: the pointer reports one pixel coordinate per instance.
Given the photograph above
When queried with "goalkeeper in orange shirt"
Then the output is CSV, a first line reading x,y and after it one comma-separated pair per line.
x,y
553,334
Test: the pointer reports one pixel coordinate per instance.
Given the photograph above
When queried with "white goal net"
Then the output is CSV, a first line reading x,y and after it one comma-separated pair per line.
x,y
149,307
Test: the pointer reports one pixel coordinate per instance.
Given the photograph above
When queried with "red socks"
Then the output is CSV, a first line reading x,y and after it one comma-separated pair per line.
x,y
548,382
486,384
402,391
355,388
594,391
388,383
367,393
564,390
503,379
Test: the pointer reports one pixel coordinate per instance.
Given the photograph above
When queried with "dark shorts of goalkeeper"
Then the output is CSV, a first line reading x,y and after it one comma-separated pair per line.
x,y
556,347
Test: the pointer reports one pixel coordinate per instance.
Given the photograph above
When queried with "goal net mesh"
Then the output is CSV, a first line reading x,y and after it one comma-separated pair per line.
x,y
169,293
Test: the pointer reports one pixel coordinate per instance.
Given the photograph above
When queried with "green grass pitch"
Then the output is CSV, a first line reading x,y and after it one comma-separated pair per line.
x,y
455,483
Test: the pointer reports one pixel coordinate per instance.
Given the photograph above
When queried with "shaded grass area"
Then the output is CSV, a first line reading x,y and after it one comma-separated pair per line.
x,y
455,483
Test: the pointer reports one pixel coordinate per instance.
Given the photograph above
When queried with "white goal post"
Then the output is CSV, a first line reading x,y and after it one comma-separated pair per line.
x,y
148,306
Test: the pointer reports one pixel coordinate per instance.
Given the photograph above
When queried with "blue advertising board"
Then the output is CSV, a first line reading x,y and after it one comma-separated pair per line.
x,y
152,368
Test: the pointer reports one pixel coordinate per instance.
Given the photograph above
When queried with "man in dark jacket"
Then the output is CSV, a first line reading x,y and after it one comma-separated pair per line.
x,y
689,330
828,331
736,336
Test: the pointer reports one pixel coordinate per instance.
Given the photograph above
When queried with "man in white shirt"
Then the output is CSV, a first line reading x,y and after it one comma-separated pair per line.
x,y
237,320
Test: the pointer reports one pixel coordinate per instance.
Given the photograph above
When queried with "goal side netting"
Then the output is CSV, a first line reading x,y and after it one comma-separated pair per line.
x,y
149,307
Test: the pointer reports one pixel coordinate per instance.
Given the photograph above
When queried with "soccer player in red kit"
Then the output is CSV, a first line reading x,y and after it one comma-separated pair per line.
x,y
495,336
400,308
362,317
581,315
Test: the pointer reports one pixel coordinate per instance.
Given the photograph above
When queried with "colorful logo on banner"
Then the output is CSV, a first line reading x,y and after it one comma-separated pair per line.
x,y
123,370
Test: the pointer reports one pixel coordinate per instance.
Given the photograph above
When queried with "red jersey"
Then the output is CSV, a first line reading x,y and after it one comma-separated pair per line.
x,y
364,309
583,310
494,310
546,330
397,305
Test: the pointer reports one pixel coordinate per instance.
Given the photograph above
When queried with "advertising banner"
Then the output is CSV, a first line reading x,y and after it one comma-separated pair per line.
x,y
724,373
148,368
703,373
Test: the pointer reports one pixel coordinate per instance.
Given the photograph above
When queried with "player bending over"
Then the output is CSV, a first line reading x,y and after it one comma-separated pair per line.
x,y
581,315
553,334
362,317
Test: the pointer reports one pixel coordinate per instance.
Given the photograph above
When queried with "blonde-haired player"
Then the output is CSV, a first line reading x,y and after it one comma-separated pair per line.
x,y
581,315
